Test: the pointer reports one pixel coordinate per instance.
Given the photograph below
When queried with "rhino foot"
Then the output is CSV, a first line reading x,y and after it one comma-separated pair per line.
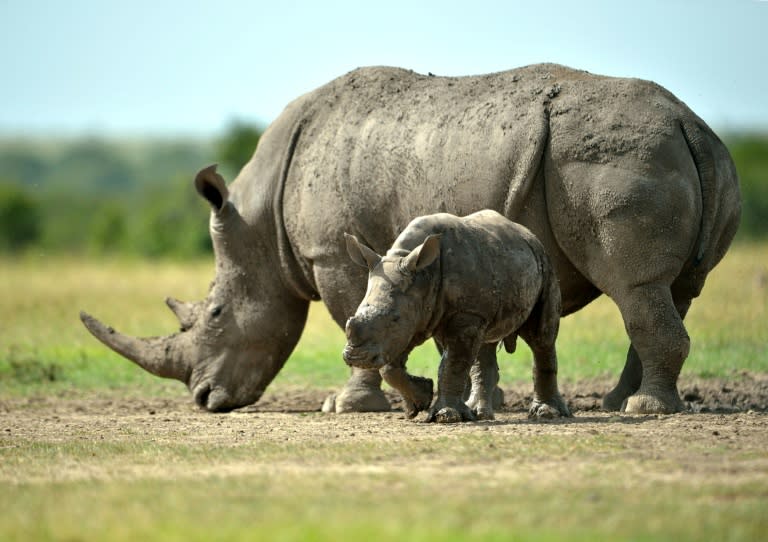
x,y
498,398
481,409
656,403
356,400
448,415
615,399
483,413
552,409
443,413
422,395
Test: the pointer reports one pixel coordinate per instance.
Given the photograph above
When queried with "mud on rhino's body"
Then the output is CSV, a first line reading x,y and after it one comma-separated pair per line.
x,y
630,192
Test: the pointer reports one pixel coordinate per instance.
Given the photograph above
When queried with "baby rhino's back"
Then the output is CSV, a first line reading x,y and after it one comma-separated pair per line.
x,y
491,267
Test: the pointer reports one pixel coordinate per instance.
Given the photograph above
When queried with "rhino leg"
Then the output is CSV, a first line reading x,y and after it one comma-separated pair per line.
x,y
539,331
629,382
483,380
547,401
362,393
632,375
460,344
655,325
416,391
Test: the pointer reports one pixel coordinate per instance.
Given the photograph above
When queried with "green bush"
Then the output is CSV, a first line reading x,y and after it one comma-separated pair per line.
x,y
237,145
108,229
20,218
750,153
171,220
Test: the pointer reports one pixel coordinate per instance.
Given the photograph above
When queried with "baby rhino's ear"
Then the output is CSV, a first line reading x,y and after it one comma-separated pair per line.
x,y
424,254
361,254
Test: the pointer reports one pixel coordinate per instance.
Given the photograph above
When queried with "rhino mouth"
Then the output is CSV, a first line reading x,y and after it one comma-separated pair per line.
x,y
216,399
363,356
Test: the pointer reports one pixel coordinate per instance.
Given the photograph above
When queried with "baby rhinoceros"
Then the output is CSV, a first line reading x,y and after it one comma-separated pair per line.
x,y
466,282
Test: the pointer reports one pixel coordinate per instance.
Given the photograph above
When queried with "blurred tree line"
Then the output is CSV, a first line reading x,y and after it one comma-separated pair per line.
x,y
101,196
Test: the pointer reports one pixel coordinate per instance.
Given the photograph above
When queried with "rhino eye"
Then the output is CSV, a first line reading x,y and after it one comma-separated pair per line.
x,y
215,311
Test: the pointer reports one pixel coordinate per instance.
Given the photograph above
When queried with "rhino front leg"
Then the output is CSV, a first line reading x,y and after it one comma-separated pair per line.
x,y
483,379
460,347
416,391
362,393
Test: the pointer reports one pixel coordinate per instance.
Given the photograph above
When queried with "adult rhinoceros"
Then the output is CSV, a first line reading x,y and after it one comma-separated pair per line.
x,y
630,192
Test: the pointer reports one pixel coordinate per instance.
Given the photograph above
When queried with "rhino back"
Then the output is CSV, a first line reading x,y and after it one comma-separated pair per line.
x,y
384,145
380,146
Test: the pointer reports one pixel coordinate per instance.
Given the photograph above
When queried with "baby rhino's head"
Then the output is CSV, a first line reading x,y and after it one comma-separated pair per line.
x,y
396,304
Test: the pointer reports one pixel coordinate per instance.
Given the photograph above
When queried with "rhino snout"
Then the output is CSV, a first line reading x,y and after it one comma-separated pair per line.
x,y
217,399
363,356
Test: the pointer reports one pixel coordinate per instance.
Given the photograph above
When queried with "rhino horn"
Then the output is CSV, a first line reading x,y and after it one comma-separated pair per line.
x,y
185,312
161,356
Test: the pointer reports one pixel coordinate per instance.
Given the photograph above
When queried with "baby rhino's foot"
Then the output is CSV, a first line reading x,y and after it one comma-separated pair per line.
x,y
549,410
482,409
421,396
483,413
453,413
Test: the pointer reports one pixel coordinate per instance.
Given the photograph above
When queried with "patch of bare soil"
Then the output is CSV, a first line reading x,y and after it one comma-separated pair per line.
x,y
742,393
730,414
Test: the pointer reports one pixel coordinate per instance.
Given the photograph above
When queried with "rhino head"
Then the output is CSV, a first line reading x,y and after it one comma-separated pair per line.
x,y
231,344
397,306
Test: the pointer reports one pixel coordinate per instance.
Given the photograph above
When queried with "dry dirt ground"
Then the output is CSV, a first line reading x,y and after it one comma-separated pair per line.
x,y
730,414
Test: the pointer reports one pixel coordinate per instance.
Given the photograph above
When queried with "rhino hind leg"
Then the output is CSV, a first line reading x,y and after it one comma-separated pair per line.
x,y
362,393
547,402
632,375
540,333
629,382
654,322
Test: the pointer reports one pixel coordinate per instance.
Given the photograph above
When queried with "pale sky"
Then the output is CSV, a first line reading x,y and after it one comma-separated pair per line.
x,y
140,67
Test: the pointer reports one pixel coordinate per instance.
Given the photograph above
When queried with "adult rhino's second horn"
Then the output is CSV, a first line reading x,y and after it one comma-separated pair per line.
x,y
161,356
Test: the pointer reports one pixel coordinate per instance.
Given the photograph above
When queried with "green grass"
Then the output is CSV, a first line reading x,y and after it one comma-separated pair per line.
x,y
574,487
43,345
325,509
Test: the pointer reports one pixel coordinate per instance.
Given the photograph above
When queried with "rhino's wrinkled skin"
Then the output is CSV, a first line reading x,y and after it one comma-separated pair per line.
x,y
629,191
467,282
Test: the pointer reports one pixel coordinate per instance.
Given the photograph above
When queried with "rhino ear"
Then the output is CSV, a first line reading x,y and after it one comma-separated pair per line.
x,y
211,186
361,254
423,255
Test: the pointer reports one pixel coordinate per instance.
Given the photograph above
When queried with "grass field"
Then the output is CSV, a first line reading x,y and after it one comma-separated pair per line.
x,y
92,448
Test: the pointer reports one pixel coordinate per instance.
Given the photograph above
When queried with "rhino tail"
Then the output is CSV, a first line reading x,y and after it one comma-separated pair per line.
x,y
528,164
719,188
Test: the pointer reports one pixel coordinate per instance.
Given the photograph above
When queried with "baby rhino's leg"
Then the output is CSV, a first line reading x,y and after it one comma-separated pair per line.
x,y
540,332
460,345
484,377
416,391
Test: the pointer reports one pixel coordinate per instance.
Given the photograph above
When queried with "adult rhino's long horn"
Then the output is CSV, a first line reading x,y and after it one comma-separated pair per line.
x,y
161,356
